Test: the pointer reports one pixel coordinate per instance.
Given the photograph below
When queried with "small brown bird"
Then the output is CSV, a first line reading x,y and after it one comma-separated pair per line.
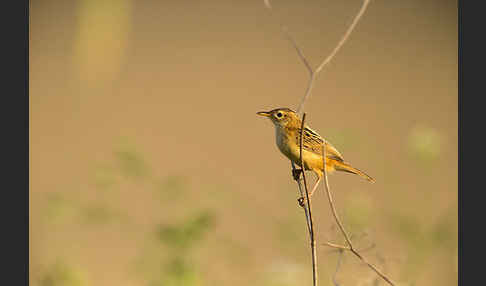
x,y
287,130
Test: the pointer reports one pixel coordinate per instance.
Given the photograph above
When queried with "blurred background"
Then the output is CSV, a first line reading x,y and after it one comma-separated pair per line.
x,y
149,166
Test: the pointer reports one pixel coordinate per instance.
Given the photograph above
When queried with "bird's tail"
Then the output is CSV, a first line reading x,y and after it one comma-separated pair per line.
x,y
345,167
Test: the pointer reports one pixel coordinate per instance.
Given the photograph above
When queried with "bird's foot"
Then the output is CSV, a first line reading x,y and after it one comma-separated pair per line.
x,y
301,201
296,174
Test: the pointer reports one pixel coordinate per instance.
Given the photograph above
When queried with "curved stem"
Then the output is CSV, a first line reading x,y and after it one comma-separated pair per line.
x,y
309,208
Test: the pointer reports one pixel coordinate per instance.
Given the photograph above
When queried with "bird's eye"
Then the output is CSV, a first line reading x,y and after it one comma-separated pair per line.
x,y
279,115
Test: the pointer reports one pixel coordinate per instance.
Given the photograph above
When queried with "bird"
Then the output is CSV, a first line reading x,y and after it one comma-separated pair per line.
x,y
287,134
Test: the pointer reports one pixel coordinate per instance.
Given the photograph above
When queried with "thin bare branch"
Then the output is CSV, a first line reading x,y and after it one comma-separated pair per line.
x,y
308,90
309,209
332,54
338,246
372,267
329,196
340,225
345,36
291,39
298,49
342,247
313,73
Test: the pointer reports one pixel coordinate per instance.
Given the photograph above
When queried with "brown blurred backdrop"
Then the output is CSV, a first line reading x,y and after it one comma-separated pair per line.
x,y
148,165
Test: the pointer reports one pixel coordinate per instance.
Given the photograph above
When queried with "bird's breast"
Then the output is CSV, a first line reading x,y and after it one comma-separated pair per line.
x,y
286,145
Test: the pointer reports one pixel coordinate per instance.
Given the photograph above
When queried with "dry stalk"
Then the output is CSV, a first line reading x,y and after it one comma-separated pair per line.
x,y
309,212
345,234
313,75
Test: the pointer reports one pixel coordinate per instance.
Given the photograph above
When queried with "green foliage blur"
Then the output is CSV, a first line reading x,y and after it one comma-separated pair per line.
x,y
175,265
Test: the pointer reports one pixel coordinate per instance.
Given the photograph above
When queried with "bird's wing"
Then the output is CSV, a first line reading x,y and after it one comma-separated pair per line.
x,y
331,152
312,142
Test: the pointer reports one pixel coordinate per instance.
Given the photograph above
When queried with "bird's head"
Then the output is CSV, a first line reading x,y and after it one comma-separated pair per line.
x,y
282,117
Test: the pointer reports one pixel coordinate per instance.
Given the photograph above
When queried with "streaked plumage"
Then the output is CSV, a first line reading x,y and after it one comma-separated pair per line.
x,y
287,133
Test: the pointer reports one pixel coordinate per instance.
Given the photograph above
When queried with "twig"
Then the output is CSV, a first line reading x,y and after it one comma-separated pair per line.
x,y
345,36
285,30
313,73
341,249
338,221
333,245
309,210
329,196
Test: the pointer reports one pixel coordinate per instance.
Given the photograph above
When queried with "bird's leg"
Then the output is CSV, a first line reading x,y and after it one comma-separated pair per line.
x,y
315,186
296,174
301,199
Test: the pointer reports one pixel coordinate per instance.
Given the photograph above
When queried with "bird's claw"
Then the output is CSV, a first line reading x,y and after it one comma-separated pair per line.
x,y
296,174
301,201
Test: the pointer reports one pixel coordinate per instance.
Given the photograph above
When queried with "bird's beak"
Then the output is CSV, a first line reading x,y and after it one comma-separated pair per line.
x,y
264,113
